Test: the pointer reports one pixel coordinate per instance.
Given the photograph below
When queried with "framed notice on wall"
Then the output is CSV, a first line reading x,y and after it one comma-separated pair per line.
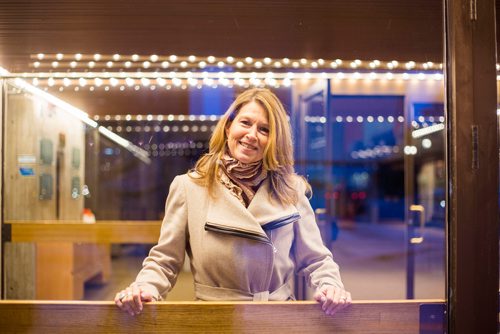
x,y
75,157
46,187
46,151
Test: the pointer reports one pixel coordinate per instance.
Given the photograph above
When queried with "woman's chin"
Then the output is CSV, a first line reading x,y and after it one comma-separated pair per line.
x,y
244,158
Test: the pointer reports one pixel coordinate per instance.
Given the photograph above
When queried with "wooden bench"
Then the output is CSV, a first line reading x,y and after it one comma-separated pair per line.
x,y
416,316
66,254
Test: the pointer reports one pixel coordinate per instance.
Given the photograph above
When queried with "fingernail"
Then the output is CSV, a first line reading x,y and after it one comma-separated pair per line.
x,y
323,299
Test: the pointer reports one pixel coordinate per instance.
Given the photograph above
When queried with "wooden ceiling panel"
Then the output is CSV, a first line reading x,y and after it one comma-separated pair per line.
x,y
348,29
384,29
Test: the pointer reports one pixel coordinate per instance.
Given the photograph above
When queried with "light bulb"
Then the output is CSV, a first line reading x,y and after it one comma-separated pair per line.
x,y
130,82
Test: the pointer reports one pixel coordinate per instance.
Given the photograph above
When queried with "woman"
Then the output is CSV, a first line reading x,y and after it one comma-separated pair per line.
x,y
243,218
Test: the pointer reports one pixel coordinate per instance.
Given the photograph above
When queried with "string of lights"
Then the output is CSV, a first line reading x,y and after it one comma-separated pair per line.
x,y
90,81
162,62
90,72
420,121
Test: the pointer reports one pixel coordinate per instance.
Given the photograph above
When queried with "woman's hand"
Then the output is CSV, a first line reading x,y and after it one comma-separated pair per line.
x,y
130,300
332,299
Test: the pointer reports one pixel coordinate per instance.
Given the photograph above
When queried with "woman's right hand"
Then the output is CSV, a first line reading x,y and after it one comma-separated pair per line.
x,y
131,299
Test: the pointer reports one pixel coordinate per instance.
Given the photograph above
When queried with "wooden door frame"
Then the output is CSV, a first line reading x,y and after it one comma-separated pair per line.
x,y
472,152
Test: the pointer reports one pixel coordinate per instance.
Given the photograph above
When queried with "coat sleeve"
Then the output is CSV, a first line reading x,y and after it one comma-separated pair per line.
x,y
161,267
312,258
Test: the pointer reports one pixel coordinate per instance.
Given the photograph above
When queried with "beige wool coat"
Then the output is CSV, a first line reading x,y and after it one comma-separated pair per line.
x,y
237,253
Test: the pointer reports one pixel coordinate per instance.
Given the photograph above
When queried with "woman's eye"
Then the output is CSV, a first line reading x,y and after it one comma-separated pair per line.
x,y
245,122
264,130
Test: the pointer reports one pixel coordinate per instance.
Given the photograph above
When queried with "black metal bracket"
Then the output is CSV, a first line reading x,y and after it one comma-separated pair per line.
x,y
6,232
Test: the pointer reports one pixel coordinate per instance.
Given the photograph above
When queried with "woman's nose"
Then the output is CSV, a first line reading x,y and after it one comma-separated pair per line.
x,y
252,133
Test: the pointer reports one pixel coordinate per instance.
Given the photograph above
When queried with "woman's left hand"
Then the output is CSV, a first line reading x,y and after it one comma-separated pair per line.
x,y
332,299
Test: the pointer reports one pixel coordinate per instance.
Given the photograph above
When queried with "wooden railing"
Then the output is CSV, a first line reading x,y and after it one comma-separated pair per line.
x,y
109,231
222,317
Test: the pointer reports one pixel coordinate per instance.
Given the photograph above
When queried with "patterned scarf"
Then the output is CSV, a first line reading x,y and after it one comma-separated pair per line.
x,y
241,179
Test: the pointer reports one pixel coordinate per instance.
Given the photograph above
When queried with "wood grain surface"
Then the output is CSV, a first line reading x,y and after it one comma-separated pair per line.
x,y
397,316
76,231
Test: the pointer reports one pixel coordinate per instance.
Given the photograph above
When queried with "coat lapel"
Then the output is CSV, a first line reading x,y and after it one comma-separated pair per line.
x,y
264,211
224,209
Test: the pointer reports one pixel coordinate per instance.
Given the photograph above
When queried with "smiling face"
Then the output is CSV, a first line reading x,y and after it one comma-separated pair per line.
x,y
248,133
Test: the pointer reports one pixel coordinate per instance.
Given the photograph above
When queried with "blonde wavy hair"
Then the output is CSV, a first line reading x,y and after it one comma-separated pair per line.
x,y
278,153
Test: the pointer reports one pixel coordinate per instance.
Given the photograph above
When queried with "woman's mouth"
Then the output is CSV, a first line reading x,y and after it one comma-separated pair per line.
x,y
248,146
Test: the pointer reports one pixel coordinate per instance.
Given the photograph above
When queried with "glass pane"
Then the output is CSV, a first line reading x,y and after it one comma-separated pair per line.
x,y
380,181
368,136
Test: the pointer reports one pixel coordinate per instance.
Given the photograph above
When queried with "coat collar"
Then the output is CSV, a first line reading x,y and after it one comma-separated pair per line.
x,y
224,209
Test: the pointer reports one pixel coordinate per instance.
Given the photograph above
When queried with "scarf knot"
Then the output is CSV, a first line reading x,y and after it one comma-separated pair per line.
x,y
240,178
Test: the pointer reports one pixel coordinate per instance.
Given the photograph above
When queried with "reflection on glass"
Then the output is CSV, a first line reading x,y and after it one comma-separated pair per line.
x,y
372,149
369,165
